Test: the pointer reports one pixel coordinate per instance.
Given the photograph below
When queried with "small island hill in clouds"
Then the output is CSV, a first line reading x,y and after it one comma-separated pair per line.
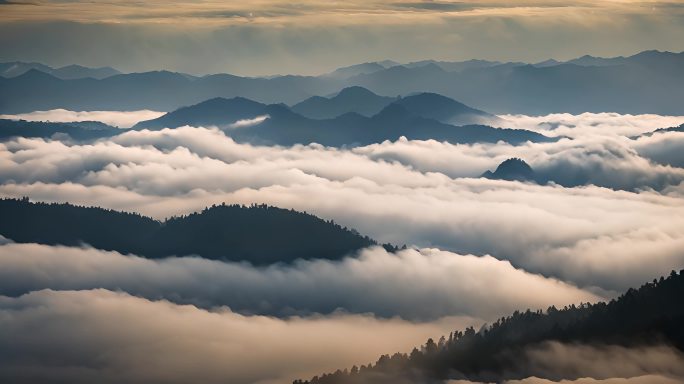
x,y
333,192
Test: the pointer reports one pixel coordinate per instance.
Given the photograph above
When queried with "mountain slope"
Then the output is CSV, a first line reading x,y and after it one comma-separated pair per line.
x,y
79,72
649,316
223,232
454,66
218,111
353,99
82,130
512,169
443,109
649,82
17,68
277,124
356,69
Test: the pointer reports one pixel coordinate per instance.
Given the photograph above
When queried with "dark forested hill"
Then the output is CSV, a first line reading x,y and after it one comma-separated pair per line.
x,y
650,315
258,234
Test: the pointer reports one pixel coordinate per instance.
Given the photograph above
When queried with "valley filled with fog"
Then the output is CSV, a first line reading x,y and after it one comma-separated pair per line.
x,y
341,192
604,212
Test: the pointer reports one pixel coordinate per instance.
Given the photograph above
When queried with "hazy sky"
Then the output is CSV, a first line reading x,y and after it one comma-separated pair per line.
x,y
314,36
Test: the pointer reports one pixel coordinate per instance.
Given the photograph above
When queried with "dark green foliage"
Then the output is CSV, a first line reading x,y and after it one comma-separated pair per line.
x,y
65,224
650,315
259,234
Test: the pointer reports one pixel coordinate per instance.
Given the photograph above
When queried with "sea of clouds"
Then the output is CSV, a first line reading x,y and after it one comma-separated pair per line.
x,y
611,217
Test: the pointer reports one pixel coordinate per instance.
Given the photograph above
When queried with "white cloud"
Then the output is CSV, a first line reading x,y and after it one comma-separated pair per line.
x,y
401,192
664,148
645,379
446,284
574,361
592,124
558,363
106,337
249,122
121,119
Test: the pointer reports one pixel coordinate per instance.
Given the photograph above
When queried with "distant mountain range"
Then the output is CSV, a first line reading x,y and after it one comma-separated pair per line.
x,y
18,68
649,316
649,82
360,69
352,99
419,117
222,232
422,116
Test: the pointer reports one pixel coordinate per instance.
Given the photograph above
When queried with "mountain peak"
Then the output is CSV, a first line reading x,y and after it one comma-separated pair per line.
x,y
218,111
547,63
351,99
355,70
355,91
429,96
35,75
441,108
512,169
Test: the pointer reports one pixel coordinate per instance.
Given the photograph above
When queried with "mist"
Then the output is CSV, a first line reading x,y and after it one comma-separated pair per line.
x,y
419,193
121,119
373,282
112,337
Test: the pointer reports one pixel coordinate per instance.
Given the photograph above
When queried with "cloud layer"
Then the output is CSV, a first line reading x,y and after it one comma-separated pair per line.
x,y
558,360
272,36
107,337
114,118
446,284
404,192
85,315
553,362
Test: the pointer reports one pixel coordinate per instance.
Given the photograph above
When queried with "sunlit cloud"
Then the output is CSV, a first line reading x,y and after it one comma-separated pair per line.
x,y
373,281
421,193
313,37
311,10
107,337
249,122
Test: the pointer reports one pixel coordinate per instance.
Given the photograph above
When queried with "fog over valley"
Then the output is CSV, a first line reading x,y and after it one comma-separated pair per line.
x,y
348,192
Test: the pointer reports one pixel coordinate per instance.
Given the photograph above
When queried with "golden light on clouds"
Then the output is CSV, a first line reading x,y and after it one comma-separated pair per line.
x,y
310,12
315,36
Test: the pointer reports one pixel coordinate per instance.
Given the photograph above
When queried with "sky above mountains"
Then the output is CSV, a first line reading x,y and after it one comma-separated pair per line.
x,y
312,37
